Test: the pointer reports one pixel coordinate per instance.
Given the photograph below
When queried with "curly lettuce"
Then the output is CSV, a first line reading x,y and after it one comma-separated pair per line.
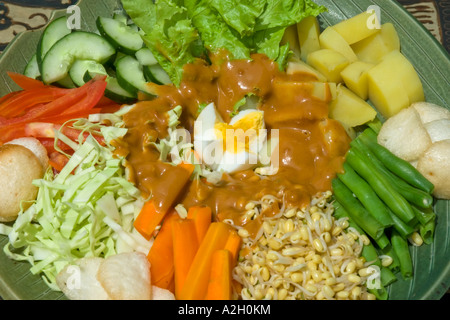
x,y
179,31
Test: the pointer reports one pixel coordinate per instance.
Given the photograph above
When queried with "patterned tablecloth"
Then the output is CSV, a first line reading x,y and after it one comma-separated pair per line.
x,y
20,15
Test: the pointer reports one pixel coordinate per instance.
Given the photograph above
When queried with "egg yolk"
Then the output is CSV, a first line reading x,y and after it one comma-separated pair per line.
x,y
240,135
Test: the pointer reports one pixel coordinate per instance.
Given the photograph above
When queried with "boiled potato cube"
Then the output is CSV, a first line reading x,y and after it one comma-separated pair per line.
x,y
355,78
394,84
376,47
409,78
358,27
349,109
331,39
291,37
328,62
308,35
333,89
321,91
385,91
300,67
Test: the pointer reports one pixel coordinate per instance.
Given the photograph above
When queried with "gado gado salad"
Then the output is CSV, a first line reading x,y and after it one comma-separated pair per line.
x,y
221,150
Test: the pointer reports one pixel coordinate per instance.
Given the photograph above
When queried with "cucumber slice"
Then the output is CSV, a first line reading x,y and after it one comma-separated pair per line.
x,y
156,74
66,82
145,57
113,89
130,75
56,30
119,56
120,16
32,68
115,92
80,67
123,37
79,45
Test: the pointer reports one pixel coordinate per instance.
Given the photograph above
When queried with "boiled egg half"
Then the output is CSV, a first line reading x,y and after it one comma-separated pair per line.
x,y
229,147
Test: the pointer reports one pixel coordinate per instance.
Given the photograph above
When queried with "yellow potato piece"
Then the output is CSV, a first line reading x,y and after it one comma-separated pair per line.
x,y
291,37
385,93
308,35
333,89
377,46
407,74
358,27
349,109
298,66
331,39
355,78
322,91
394,84
328,62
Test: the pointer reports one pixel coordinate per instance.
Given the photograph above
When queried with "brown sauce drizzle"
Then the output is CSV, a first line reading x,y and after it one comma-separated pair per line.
x,y
312,146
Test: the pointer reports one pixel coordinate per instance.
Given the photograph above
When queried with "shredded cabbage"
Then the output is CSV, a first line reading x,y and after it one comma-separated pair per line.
x,y
86,210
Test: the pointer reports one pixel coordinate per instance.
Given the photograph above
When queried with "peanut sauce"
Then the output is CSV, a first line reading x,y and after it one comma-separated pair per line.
x,y
311,146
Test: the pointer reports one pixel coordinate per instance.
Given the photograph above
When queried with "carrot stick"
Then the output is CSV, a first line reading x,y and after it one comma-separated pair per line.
x,y
219,285
233,245
160,255
202,219
185,246
150,216
196,283
148,219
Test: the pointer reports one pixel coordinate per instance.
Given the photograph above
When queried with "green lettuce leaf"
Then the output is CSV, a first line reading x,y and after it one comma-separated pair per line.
x,y
214,31
178,31
168,32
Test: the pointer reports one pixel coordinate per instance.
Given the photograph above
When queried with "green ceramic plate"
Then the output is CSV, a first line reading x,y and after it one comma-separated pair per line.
x,y
431,263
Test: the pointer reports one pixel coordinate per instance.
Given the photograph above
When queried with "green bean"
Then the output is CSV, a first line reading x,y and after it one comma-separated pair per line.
x,y
387,276
401,249
399,205
383,241
402,228
427,231
375,125
424,215
370,253
389,251
380,294
414,195
366,195
340,212
397,165
356,210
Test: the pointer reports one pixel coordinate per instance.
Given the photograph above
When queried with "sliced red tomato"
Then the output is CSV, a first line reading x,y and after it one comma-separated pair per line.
x,y
76,100
8,133
24,100
47,130
60,119
49,144
95,93
39,109
57,160
8,96
25,82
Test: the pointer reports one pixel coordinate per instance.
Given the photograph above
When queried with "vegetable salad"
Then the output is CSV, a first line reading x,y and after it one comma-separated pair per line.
x,y
130,125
